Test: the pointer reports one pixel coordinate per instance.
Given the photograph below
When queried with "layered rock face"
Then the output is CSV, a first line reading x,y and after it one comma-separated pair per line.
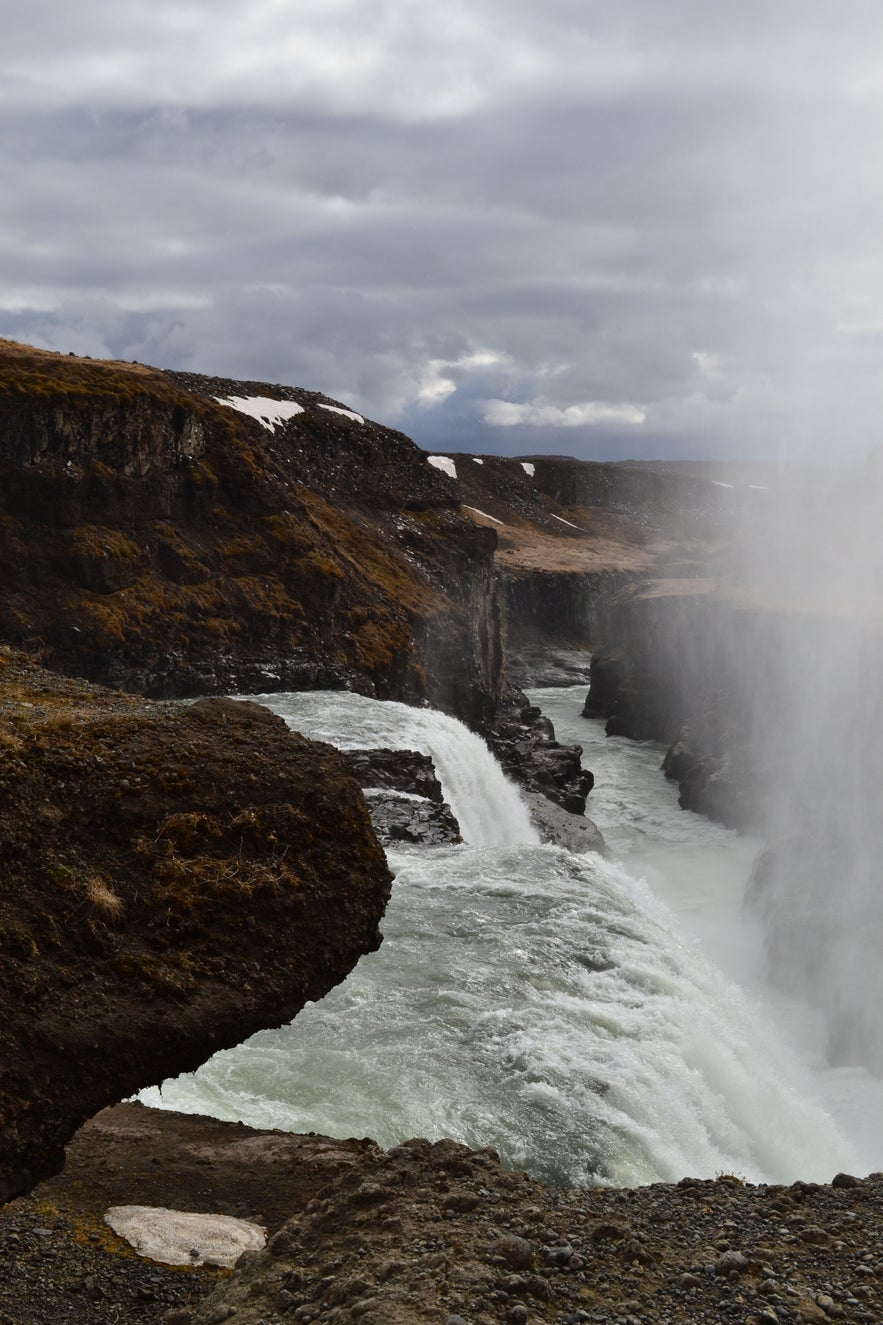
x,y
173,879
157,540
404,796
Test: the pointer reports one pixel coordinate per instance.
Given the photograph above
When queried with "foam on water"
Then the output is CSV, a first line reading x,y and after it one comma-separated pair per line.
x,y
529,999
487,806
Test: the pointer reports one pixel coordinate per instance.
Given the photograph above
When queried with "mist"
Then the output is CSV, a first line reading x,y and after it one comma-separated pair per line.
x,y
802,645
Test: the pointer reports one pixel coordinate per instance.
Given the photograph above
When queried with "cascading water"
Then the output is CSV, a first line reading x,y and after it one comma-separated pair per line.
x,y
525,998
487,806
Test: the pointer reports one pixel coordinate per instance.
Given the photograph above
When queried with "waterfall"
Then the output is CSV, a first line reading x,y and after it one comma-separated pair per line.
x,y
529,999
487,805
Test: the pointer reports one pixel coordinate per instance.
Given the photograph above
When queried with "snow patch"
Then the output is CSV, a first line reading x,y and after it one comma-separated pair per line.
x,y
528,468
178,1238
394,791
444,463
485,515
717,483
347,413
476,461
567,522
267,411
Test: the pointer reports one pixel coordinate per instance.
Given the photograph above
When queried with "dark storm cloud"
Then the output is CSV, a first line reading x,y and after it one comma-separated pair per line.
x,y
635,229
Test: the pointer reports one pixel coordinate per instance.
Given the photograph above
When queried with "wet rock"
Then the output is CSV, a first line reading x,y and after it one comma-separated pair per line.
x,y
524,743
397,770
398,817
606,676
557,826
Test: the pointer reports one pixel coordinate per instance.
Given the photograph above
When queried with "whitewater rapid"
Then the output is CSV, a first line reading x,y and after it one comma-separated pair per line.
x,y
547,1004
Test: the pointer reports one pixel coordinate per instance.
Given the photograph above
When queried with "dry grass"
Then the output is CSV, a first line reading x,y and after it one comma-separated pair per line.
x,y
103,900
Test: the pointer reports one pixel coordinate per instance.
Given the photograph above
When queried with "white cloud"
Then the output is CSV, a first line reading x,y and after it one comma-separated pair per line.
x,y
709,365
465,219
439,378
508,414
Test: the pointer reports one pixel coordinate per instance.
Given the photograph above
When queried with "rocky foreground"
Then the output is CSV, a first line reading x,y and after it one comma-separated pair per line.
x,y
433,1233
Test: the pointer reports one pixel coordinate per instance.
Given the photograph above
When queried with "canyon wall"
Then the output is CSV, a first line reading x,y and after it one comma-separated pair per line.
x,y
156,540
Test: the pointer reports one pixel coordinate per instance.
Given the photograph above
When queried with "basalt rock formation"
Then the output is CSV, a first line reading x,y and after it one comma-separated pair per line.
x,y
160,541
404,797
173,878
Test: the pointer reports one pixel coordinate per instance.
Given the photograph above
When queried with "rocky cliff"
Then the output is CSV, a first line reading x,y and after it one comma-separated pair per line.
x,y
157,540
173,878
579,541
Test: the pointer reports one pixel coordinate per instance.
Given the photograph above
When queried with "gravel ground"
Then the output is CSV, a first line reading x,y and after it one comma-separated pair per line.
x,y
427,1233
62,1269
436,1233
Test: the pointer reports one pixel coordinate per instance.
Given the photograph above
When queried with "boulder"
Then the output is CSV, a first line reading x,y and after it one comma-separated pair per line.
x,y
172,879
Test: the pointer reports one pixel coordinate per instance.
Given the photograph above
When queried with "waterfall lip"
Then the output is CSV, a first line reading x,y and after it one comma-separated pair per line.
x,y
487,805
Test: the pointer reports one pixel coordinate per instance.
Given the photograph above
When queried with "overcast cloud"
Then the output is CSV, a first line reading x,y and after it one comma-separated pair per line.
x,y
607,230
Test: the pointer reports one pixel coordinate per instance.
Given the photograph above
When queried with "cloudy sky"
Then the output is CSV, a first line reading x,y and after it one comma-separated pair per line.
x,y
631,228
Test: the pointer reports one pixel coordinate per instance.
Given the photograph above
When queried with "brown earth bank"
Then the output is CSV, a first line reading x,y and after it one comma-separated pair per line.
x,y
433,1233
172,878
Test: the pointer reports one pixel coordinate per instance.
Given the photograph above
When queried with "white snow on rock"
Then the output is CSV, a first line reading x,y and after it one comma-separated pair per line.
x,y
178,1238
444,463
394,791
484,514
528,468
567,522
267,411
347,413
476,461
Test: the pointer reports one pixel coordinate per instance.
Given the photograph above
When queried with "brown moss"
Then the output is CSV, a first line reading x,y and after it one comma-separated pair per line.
x,y
27,371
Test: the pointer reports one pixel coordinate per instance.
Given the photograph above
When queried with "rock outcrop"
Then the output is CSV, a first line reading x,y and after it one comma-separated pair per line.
x,y
524,742
173,879
404,796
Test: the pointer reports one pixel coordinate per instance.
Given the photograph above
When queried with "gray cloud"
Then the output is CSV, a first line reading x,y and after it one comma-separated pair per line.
x,y
507,228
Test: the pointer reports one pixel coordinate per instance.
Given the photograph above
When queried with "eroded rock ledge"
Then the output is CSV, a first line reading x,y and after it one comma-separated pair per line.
x,y
172,879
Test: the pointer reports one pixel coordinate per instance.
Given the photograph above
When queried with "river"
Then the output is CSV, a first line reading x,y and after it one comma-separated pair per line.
x,y
593,1020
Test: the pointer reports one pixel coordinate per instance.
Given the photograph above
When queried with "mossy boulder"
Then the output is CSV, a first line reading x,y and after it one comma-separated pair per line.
x,y
173,878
